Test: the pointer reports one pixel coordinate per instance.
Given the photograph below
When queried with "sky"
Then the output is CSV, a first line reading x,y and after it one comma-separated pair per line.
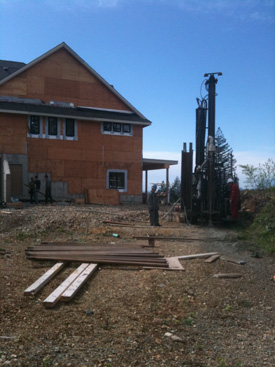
x,y
155,53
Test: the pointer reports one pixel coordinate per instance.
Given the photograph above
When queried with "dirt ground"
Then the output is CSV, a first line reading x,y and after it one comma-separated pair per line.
x,y
127,316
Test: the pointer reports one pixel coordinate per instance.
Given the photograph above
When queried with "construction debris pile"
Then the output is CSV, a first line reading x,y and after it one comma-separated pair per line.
x,y
128,315
40,220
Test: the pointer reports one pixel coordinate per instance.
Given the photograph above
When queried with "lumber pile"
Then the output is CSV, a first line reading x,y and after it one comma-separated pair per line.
x,y
68,288
86,253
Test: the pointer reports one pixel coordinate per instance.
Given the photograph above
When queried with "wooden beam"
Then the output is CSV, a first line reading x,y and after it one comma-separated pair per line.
x,y
106,261
176,238
55,296
227,275
43,280
235,261
173,264
71,291
121,223
195,256
213,258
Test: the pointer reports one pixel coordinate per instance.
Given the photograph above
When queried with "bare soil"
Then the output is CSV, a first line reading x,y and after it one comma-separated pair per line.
x,y
128,316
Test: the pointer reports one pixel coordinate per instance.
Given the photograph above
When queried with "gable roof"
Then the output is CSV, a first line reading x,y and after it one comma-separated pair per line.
x,y
88,67
9,67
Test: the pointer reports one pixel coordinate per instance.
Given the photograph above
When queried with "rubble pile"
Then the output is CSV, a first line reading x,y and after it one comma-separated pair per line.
x,y
42,220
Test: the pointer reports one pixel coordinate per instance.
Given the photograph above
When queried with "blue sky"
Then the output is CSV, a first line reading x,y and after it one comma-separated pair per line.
x,y
156,52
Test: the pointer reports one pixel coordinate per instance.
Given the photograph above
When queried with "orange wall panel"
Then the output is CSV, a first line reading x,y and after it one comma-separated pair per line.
x,y
92,155
35,85
93,183
75,186
13,130
56,168
14,87
37,151
65,154
62,77
75,71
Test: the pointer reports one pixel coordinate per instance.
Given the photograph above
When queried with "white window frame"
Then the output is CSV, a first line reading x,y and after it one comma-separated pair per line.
x,y
31,135
112,132
47,135
65,137
117,171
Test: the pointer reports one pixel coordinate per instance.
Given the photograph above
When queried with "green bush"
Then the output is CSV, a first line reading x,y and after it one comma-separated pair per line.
x,y
263,227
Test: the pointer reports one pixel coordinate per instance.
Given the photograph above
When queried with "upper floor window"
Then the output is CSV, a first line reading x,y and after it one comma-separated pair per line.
x,y
69,128
117,128
126,128
34,125
52,126
107,126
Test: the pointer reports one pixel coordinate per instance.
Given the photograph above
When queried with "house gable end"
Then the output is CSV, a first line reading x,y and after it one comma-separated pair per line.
x,y
60,74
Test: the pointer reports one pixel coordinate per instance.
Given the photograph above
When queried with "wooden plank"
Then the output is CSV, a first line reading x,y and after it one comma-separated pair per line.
x,y
73,254
55,296
109,249
16,205
174,263
78,283
120,223
43,280
95,259
213,258
194,256
235,261
227,275
176,238
92,253
105,261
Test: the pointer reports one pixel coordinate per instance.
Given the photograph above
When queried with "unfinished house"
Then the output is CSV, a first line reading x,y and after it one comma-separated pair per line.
x,y
59,117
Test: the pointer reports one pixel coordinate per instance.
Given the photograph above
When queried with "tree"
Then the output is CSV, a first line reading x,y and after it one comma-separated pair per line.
x,y
224,158
175,190
261,177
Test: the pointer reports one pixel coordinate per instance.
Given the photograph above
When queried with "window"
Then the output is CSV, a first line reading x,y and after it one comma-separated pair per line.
x,y
107,126
117,128
117,180
69,128
127,128
34,125
52,126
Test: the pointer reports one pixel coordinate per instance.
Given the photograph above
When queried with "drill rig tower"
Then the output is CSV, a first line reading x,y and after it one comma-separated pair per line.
x,y
200,191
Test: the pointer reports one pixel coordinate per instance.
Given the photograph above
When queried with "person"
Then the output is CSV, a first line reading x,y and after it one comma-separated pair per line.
x,y
48,190
37,188
234,198
153,206
31,190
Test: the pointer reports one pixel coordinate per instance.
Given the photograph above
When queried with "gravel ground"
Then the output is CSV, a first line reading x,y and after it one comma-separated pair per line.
x,y
128,316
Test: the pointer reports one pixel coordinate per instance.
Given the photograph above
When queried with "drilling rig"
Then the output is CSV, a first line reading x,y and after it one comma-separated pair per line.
x,y
204,191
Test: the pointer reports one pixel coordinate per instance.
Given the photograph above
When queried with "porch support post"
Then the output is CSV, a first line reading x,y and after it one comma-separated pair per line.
x,y
146,185
167,186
